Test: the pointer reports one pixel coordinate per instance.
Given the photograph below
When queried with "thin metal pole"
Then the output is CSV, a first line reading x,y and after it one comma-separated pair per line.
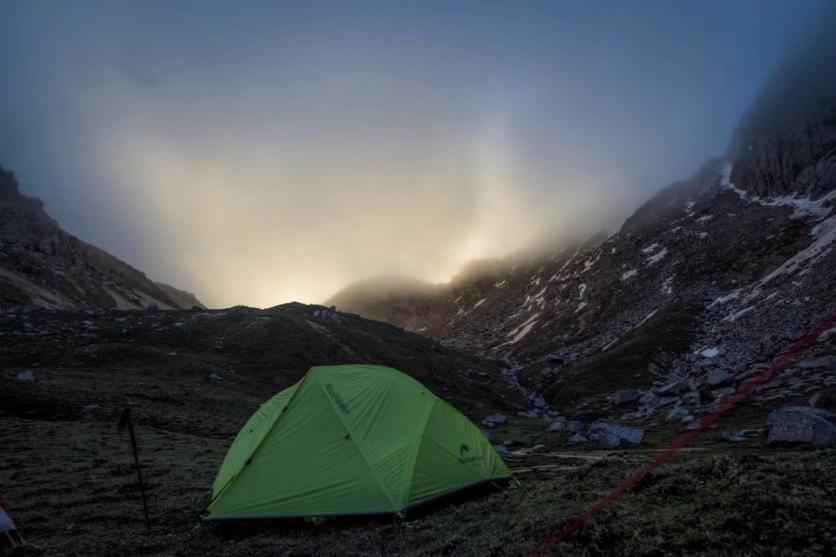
x,y
126,420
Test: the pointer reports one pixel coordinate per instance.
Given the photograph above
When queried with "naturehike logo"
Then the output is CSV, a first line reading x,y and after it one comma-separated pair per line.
x,y
467,459
338,400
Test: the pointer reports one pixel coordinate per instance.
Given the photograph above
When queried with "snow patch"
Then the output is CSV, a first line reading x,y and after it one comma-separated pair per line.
x,y
709,352
628,274
479,303
667,286
525,330
656,257
802,207
725,299
738,314
648,316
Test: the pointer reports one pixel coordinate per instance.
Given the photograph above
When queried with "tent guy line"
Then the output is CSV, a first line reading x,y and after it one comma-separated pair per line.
x,y
745,390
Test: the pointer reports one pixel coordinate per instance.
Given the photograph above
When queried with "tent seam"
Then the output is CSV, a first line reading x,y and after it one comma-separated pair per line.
x,y
359,450
418,447
260,443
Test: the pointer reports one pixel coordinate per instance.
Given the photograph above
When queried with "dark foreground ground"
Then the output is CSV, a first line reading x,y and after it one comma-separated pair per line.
x,y
72,489
69,480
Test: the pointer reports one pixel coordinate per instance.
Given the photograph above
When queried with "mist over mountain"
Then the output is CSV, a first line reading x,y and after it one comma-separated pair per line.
x,y
688,290
283,151
42,266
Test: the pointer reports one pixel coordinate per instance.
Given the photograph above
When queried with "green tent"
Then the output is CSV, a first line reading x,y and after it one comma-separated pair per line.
x,y
347,440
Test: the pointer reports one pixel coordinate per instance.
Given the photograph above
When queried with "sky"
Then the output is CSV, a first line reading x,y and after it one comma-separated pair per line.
x,y
262,152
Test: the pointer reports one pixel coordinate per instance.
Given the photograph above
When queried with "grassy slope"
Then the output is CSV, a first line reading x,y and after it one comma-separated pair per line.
x,y
71,488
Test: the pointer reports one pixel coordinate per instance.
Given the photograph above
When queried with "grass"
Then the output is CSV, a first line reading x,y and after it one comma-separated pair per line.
x,y
71,487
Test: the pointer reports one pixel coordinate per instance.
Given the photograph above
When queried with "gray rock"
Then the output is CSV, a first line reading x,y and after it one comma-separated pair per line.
x,y
676,414
733,436
666,400
624,396
826,362
502,451
635,415
647,399
538,447
494,419
91,408
802,424
693,398
577,438
574,426
718,377
540,402
673,387
558,425
719,396
625,433
26,376
607,440
215,379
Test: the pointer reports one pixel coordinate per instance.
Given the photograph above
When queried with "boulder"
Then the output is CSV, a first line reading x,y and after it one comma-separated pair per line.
x,y
802,424
558,425
625,433
494,419
607,440
26,376
718,377
624,396
577,438
574,426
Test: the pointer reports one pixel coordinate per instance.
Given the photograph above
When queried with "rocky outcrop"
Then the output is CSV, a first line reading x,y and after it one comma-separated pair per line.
x,y
786,143
182,298
41,265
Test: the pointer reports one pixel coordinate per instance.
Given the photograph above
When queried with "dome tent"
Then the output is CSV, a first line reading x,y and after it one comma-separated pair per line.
x,y
350,440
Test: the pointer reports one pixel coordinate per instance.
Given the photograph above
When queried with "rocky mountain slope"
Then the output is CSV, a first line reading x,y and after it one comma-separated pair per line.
x,y
43,266
708,281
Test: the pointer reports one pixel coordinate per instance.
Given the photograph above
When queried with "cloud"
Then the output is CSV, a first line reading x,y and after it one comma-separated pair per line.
x,y
264,153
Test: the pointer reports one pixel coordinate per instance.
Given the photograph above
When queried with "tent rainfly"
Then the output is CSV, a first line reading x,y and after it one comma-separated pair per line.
x,y
350,440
